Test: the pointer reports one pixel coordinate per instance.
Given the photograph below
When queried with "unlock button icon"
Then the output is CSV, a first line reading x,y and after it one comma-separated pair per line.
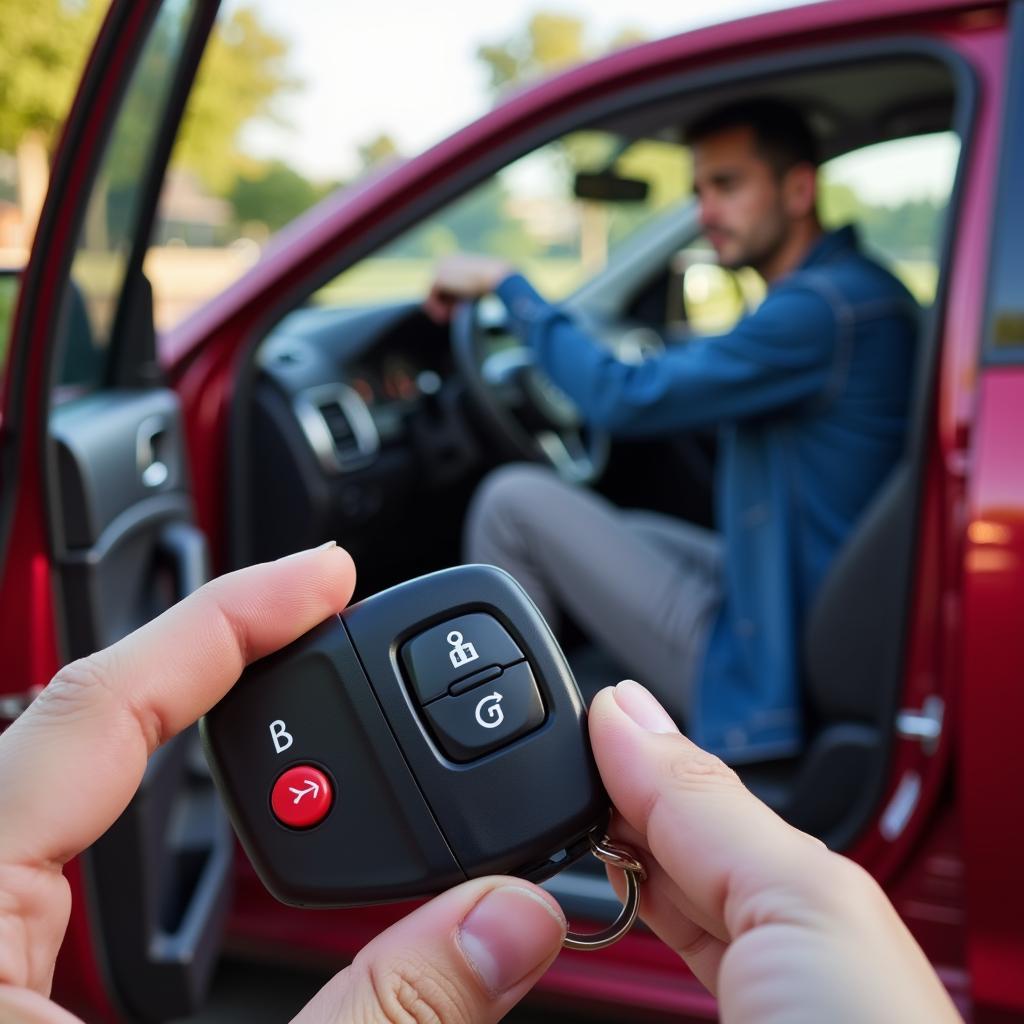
x,y
462,652
446,653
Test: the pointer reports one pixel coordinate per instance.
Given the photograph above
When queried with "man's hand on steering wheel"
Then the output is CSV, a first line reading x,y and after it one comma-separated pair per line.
x,y
463,276
528,415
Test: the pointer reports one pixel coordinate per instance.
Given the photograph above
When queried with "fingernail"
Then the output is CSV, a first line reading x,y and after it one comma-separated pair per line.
x,y
302,552
641,706
508,935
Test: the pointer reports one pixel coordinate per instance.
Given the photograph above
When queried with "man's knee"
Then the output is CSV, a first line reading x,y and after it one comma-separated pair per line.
x,y
505,498
517,483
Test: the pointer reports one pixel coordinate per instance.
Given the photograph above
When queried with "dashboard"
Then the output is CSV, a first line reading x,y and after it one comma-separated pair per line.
x,y
364,373
353,418
357,425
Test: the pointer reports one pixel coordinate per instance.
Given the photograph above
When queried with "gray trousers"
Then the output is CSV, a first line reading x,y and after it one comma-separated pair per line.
x,y
643,586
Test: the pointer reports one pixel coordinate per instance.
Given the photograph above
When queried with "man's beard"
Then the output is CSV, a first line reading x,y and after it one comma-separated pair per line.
x,y
760,253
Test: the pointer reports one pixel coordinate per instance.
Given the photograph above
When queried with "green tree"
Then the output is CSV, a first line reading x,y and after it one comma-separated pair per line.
x,y
273,196
42,49
381,149
244,69
549,42
43,46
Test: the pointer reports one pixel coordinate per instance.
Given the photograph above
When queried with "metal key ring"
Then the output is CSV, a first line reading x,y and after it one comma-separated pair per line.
x,y
618,857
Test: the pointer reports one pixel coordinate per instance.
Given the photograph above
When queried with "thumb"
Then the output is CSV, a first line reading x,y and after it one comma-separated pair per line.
x,y
715,840
466,957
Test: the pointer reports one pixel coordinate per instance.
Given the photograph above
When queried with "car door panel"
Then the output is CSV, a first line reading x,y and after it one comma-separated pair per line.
x,y
103,526
127,550
122,482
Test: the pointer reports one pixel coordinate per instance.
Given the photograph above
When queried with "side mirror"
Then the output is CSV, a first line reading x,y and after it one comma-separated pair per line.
x,y
608,187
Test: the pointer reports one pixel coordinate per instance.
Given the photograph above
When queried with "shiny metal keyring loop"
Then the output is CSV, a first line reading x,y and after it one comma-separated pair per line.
x,y
618,857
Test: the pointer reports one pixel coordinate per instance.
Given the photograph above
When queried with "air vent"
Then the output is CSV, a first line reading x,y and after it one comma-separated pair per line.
x,y
338,426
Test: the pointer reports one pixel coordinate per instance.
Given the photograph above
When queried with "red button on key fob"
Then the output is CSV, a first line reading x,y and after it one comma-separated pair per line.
x,y
301,797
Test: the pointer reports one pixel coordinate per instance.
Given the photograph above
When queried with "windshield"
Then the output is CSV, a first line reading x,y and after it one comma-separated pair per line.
x,y
559,213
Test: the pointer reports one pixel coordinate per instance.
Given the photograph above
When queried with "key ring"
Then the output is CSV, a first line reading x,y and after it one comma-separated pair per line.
x,y
617,856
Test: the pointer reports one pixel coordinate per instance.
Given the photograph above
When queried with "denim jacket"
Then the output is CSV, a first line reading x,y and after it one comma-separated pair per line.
x,y
810,394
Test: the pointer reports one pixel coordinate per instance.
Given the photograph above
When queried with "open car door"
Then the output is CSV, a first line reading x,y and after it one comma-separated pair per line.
x,y
96,524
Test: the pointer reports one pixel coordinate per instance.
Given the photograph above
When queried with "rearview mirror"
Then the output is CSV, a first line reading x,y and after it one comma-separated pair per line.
x,y
608,187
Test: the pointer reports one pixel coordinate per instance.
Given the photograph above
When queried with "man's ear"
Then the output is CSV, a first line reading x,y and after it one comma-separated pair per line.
x,y
800,191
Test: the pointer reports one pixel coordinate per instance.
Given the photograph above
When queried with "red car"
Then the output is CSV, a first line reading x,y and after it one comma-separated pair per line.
x,y
274,418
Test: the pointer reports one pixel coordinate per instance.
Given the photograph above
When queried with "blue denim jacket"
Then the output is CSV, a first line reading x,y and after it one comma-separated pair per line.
x,y
810,395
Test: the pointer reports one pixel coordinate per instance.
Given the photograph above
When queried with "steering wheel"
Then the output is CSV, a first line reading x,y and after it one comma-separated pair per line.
x,y
526,412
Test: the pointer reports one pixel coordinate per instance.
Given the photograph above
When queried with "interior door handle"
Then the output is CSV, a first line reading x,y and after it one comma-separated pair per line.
x,y
184,544
149,439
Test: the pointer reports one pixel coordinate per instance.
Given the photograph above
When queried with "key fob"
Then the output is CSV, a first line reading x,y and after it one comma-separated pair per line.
x,y
429,734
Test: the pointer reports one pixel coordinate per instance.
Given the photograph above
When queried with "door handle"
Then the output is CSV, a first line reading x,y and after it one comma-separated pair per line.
x,y
149,438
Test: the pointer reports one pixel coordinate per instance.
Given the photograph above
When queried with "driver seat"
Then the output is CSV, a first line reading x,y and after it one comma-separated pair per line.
x,y
853,650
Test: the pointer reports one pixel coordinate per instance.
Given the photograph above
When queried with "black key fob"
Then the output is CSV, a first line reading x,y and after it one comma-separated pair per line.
x,y
429,734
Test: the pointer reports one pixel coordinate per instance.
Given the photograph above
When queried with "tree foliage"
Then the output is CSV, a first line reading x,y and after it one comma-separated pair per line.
x,y
381,149
43,47
549,42
244,69
273,194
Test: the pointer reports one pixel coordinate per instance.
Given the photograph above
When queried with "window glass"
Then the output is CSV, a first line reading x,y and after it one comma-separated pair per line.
x,y
897,194
108,231
558,213
716,298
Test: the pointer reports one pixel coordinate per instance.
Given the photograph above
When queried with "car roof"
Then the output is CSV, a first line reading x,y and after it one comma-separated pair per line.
x,y
847,105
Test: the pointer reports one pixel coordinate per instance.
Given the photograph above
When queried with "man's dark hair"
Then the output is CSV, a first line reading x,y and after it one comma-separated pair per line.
x,y
781,133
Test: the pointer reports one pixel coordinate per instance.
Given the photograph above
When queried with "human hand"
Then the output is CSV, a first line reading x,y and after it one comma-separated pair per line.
x,y
773,923
70,764
459,277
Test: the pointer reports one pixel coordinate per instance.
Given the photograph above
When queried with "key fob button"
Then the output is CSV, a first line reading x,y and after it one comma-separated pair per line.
x,y
487,717
454,649
301,797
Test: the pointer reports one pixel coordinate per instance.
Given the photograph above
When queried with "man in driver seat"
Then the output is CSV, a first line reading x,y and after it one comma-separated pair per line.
x,y
809,394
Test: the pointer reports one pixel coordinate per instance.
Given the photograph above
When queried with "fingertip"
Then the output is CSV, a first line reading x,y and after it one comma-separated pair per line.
x,y
630,707
553,906
334,565
598,702
643,707
511,932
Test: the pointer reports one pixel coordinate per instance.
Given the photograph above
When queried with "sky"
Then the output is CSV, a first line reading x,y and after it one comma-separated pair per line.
x,y
408,69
